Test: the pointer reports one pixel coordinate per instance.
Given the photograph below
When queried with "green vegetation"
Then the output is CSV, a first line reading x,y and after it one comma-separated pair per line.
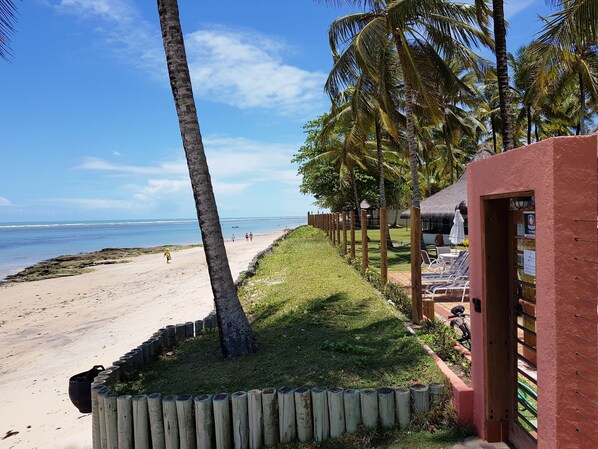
x,y
440,439
72,265
317,323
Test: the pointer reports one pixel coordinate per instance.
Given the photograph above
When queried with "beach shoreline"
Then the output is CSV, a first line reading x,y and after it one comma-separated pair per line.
x,y
54,328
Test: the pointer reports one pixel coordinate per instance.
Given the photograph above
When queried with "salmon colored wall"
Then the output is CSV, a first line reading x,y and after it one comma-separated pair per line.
x,y
562,172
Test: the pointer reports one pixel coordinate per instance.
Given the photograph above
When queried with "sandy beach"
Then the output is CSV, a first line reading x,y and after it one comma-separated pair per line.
x,y
54,328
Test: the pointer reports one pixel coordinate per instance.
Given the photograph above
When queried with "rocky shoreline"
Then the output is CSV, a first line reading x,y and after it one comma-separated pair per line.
x,y
75,264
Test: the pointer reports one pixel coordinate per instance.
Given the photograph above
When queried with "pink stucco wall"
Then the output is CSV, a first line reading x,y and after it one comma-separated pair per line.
x,y
562,173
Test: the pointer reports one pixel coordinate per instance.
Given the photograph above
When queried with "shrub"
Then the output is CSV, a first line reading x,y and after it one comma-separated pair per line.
x,y
399,297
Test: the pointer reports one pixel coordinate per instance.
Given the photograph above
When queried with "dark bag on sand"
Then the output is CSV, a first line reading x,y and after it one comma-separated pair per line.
x,y
80,388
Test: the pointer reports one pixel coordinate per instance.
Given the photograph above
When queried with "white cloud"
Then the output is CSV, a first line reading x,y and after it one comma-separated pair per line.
x,y
174,167
246,70
155,188
243,69
133,40
95,203
226,188
4,202
512,7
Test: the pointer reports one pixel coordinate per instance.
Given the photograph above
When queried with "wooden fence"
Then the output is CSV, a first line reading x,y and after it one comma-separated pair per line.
x,y
252,419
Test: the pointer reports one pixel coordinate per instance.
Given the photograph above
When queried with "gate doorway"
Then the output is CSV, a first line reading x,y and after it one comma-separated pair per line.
x,y
511,379
523,422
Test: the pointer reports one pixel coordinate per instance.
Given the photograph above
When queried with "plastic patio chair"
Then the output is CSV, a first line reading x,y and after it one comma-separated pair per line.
x,y
432,264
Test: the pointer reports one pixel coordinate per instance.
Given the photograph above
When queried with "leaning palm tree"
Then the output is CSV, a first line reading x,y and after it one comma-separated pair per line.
x,y
236,336
433,29
7,20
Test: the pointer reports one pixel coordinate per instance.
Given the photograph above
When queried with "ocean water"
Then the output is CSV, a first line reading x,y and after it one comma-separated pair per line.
x,y
24,244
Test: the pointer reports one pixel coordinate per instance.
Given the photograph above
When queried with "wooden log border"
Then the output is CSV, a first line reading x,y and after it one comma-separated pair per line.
x,y
255,419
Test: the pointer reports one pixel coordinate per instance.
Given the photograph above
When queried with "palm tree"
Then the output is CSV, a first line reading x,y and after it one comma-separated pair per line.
x,y
432,29
502,73
7,19
367,69
236,336
567,49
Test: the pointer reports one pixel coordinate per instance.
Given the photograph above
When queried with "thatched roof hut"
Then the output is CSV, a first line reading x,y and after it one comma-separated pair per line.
x,y
439,209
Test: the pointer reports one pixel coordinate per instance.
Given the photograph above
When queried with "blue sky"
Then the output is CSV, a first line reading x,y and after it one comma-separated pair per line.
x,y
88,128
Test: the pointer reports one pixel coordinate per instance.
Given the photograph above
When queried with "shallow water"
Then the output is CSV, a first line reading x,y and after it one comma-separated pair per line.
x,y
24,244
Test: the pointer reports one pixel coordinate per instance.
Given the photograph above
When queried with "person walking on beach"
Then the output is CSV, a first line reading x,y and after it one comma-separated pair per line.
x,y
251,236
233,238
246,237
167,255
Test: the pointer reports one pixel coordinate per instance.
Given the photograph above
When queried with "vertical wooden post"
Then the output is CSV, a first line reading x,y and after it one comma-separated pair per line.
x,y
334,229
256,418
403,403
369,408
186,420
383,248
111,413
386,407
416,265
270,411
338,227
352,214
364,241
141,428
240,420
336,412
102,417
124,409
436,391
319,400
222,424
330,227
344,233
428,308
198,327
96,388
204,422
189,329
305,425
154,407
171,425
351,402
420,396
286,415
180,332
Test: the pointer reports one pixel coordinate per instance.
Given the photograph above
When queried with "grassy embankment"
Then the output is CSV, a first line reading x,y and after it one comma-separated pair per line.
x,y
317,323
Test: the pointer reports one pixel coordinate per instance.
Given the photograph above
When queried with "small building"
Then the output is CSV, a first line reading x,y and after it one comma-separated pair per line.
x,y
438,210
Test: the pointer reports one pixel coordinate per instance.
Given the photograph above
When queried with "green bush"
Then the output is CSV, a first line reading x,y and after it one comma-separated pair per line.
x,y
399,297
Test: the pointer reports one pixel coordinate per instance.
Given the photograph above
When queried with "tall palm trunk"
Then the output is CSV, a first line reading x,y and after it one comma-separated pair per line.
x,y
416,236
382,190
529,124
236,336
492,125
502,72
582,106
355,197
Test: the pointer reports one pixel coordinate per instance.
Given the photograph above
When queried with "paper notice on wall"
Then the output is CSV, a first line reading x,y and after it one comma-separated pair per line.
x,y
529,262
